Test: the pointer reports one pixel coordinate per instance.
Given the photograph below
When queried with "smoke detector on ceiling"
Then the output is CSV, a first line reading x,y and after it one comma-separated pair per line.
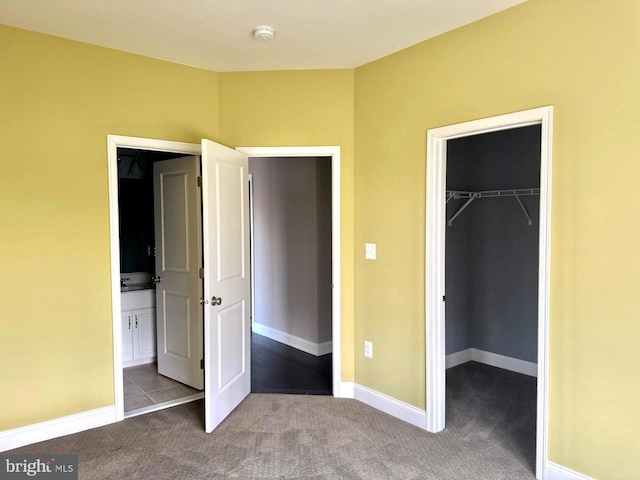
x,y
264,32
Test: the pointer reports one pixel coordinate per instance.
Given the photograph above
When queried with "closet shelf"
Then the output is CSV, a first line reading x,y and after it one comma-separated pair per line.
x,y
471,196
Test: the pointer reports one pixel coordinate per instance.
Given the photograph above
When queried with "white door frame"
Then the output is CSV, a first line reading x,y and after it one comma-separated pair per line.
x,y
435,263
334,153
252,251
113,143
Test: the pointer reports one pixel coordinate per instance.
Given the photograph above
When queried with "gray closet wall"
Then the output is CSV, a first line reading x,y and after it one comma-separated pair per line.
x,y
491,251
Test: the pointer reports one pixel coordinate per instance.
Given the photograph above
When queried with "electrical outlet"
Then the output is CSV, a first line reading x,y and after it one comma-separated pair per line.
x,y
368,349
370,251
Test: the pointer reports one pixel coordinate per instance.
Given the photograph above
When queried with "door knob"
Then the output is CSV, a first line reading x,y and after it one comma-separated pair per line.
x,y
216,301
155,279
203,301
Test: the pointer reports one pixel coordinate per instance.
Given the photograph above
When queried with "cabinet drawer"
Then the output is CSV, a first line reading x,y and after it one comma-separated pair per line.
x,y
138,300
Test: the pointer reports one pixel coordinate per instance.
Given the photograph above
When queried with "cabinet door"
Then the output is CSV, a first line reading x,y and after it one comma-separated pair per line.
x,y
145,333
127,336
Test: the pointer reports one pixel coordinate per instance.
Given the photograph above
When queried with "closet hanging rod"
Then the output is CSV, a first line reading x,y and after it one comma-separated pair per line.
x,y
471,196
518,192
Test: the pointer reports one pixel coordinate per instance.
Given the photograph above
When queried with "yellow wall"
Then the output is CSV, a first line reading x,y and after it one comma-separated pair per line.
x,y
583,57
59,100
292,108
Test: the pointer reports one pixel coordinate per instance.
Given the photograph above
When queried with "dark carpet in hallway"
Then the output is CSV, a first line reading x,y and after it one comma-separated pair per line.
x,y
279,368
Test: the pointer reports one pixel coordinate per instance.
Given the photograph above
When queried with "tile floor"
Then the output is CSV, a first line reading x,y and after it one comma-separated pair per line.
x,y
144,386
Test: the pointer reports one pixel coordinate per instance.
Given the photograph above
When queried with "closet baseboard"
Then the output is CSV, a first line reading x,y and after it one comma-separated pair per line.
x,y
493,359
458,358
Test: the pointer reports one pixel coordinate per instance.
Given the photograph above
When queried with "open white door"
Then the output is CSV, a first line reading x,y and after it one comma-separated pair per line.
x,y
225,215
178,260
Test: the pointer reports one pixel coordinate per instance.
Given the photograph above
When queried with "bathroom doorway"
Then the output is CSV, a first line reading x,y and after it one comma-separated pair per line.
x,y
161,335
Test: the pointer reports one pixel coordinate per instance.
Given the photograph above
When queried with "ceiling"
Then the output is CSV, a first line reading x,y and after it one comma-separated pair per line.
x,y
218,34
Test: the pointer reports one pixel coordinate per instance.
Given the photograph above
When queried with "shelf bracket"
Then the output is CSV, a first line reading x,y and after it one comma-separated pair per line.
x,y
522,207
461,209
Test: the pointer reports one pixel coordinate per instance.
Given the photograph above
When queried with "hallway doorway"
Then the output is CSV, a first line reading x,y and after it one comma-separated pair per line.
x,y
291,222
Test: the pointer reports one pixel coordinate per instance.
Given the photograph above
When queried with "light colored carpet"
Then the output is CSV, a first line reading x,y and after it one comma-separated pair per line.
x,y
286,436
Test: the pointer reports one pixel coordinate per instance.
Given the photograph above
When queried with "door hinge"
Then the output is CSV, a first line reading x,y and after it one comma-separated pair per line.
x,y
199,181
201,272
202,364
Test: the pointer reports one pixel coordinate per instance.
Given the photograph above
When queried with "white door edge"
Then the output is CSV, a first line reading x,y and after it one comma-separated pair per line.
x,y
334,153
113,143
435,265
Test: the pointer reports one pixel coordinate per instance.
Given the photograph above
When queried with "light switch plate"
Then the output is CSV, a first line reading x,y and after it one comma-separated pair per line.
x,y
370,251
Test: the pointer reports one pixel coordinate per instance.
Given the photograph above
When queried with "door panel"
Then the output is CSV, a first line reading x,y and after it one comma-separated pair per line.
x,y
177,209
225,191
176,307
145,324
175,221
230,254
231,344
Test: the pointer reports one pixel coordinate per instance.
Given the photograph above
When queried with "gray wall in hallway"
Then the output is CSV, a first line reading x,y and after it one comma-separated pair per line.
x,y
292,231
491,251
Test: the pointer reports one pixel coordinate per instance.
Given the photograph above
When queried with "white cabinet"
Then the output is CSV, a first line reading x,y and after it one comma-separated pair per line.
x,y
127,337
138,327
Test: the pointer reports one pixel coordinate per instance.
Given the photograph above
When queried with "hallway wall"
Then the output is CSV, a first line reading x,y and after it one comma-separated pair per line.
x,y
292,233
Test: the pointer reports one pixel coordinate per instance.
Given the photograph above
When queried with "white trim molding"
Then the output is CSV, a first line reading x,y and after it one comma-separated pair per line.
x,y
558,472
334,153
493,359
161,406
458,358
436,167
345,391
306,346
113,143
58,427
390,405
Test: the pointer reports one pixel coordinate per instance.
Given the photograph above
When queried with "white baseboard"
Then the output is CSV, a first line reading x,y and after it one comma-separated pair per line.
x,y
316,349
391,406
558,472
493,359
139,361
58,427
346,390
458,358
325,347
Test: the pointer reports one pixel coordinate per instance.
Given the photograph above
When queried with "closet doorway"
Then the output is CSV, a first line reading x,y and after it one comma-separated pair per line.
x,y
487,257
